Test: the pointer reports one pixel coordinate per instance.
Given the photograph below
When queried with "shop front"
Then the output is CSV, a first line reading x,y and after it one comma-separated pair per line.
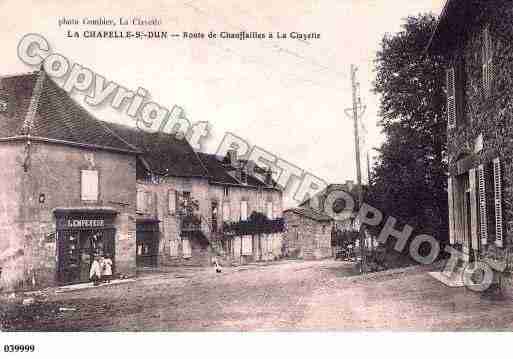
x,y
81,235
147,241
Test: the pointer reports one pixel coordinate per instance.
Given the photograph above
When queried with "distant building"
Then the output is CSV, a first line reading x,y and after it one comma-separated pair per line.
x,y
308,234
474,37
312,229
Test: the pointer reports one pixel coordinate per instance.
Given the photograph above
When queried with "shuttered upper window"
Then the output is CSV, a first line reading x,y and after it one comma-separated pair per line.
x,y
89,184
487,61
244,210
226,211
451,97
171,201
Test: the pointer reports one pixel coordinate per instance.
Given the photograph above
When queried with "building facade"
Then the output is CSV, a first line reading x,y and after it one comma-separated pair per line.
x,y
67,188
315,231
474,38
193,207
308,234
73,188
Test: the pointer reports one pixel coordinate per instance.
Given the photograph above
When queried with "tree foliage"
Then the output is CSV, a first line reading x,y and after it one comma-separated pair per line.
x,y
409,175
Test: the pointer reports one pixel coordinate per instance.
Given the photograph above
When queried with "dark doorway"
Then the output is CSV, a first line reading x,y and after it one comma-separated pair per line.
x,y
147,240
76,250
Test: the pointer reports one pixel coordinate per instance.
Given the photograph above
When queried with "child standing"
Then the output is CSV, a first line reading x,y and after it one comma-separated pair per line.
x,y
107,269
95,273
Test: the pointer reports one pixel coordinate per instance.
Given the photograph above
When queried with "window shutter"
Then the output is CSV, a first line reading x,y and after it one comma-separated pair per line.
x,y
186,248
269,210
89,184
140,201
497,183
247,245
173,248
450,198
226,211
244,210
474,225
481,178
487,61
451,97
171,201
177,201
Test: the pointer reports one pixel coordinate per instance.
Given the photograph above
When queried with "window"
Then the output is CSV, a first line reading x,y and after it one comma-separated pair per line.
x,y
247,245
89,185
226,211
489,181
451,97
173,248
186,248
497,190
243,176
214,214
186,197
269,210
456,78
171,201
487,61
141,201
226,191
3,106
244,210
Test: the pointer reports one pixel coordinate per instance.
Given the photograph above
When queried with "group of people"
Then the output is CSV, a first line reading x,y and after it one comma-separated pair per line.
x,y
101,269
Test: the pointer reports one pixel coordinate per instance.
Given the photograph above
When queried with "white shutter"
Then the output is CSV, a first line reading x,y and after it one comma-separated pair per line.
x,y
451,97
173,248
141,201
244,210
269,210
497,184
186,248
171,201
226,211
474,225
89,184
247,245
451,210
487,61
481,179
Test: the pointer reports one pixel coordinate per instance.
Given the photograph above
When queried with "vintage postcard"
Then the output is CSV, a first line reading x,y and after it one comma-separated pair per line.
x,y
262,166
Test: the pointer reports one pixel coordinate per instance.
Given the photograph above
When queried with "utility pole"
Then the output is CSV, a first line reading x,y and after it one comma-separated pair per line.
x,y
354,86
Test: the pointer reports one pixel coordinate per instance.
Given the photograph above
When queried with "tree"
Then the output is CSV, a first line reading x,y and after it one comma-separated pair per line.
x,y
409,176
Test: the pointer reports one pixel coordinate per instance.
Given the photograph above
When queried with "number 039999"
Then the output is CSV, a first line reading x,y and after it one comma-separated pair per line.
x,y
19,348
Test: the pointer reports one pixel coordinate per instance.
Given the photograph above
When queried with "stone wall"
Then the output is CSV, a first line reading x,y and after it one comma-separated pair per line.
x,y
488,116
306,238
54,172
205,193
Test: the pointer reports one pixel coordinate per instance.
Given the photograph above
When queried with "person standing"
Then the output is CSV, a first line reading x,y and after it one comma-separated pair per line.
x,y
95,273
107,269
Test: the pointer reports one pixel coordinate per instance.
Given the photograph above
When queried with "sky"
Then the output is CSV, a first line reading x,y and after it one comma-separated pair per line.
x,y
286,96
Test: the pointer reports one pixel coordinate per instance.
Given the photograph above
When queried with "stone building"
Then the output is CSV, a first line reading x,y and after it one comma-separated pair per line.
x,y
308,234
67,187
194,207
474,38
73,187
313,229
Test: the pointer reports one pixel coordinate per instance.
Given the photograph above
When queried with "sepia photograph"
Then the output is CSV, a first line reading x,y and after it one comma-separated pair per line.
x,y
213,168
